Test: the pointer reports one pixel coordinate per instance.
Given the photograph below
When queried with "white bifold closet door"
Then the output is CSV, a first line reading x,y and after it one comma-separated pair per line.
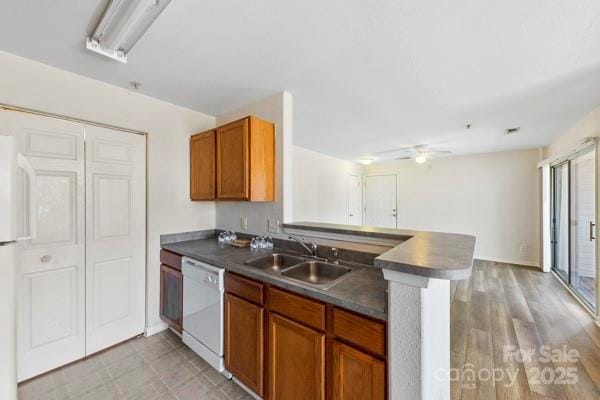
x,y
115,237
81,281
51,268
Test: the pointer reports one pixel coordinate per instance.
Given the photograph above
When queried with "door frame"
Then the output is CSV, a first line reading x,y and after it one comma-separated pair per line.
x,y
364,193
565,277
362,196
587,146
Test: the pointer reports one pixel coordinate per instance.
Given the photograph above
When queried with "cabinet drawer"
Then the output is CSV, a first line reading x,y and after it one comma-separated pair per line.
x,y
245,288
363,332
297,308
171,259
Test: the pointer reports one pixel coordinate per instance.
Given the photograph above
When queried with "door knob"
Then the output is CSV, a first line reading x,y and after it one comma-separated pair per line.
x,y
46,259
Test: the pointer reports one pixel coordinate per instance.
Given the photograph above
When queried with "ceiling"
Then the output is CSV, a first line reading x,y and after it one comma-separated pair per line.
x,y
366,76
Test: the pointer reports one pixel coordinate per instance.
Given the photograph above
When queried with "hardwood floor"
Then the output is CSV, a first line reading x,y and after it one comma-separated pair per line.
x,y
518,334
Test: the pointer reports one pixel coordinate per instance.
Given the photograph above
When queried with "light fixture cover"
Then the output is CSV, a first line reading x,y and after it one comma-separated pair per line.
x,y
420,159
123,23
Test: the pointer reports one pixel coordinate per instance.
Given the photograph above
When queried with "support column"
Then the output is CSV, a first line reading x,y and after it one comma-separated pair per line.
x,y
418,337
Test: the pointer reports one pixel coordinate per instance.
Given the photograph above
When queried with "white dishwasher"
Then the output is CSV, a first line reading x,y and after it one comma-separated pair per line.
x,y
203,289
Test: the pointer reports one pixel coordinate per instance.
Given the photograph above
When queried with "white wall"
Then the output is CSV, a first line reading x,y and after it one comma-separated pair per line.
x,y
277,109
29,84
493,196
587,126
321,186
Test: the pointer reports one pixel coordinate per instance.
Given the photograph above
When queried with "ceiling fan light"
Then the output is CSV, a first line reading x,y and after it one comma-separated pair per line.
x,y
366,160
420,159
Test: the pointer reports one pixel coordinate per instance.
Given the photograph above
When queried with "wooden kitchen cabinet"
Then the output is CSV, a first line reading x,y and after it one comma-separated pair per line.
x,y
246,160
203,166
296,367
286,346
244,342
171,290
171,297
235,161
357,375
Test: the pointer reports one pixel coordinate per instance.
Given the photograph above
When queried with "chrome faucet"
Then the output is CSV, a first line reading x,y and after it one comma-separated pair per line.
x,y
308,245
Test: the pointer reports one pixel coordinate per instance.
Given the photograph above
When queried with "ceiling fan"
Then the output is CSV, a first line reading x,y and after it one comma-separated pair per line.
x,y
420,153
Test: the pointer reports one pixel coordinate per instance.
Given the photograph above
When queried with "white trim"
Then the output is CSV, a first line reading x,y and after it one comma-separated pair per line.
x,y
591,141
528,263
156,328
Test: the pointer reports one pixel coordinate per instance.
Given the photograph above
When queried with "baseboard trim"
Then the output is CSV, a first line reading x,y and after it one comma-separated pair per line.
x,y
156,328
526,263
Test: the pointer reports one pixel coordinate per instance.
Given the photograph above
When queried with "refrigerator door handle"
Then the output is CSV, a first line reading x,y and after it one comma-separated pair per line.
x,y
26,166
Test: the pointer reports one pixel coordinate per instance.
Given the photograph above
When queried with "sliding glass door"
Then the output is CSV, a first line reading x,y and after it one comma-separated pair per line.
x,y
573,218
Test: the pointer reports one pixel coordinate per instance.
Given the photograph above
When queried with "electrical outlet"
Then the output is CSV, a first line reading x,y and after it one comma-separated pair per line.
x,y
244,223
273,225
524,248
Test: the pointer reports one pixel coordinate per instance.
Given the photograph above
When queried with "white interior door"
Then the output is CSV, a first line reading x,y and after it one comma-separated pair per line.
x,y
380,201
50,277
115,236
354,200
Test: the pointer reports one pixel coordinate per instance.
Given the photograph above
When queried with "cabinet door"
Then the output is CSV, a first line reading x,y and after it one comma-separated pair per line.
x,y
233,161
296,361
171,296
356,375
244,342
202,166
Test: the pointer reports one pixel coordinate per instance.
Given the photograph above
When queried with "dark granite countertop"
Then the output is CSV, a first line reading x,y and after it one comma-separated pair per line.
x,y
430,254
362,291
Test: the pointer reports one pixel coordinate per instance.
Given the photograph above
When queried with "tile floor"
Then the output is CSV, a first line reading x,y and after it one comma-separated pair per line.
x,y
156,368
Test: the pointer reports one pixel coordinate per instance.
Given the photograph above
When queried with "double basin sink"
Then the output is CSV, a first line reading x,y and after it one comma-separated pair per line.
x,y
309,271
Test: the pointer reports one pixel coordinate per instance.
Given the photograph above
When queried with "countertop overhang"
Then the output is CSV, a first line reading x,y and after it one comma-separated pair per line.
x,y
430,254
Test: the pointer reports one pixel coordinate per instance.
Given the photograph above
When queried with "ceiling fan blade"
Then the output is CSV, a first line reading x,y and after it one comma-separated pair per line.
x,y
397,150
402,158
438,152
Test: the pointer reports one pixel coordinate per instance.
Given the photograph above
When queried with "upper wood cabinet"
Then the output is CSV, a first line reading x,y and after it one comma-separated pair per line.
x,y
234,162
203,166
246,160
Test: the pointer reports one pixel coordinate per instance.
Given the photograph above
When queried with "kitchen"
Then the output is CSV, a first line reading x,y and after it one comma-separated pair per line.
x,y
129,281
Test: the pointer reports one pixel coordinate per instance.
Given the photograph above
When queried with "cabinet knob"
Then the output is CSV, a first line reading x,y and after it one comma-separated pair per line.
x,y
46,259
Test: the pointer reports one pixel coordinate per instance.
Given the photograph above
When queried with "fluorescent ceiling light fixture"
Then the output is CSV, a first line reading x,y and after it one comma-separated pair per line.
x,y
366,160
123,23
420,159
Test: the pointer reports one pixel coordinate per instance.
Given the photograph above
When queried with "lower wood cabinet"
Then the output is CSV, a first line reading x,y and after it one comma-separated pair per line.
x,y
244,341
296,367
171,297
357,375
286,346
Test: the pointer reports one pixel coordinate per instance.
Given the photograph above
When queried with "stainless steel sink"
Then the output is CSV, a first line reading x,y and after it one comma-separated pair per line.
x,y
316,273
275,262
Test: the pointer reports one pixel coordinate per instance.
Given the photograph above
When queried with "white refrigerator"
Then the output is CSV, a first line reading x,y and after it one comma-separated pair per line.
x,y
10,162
